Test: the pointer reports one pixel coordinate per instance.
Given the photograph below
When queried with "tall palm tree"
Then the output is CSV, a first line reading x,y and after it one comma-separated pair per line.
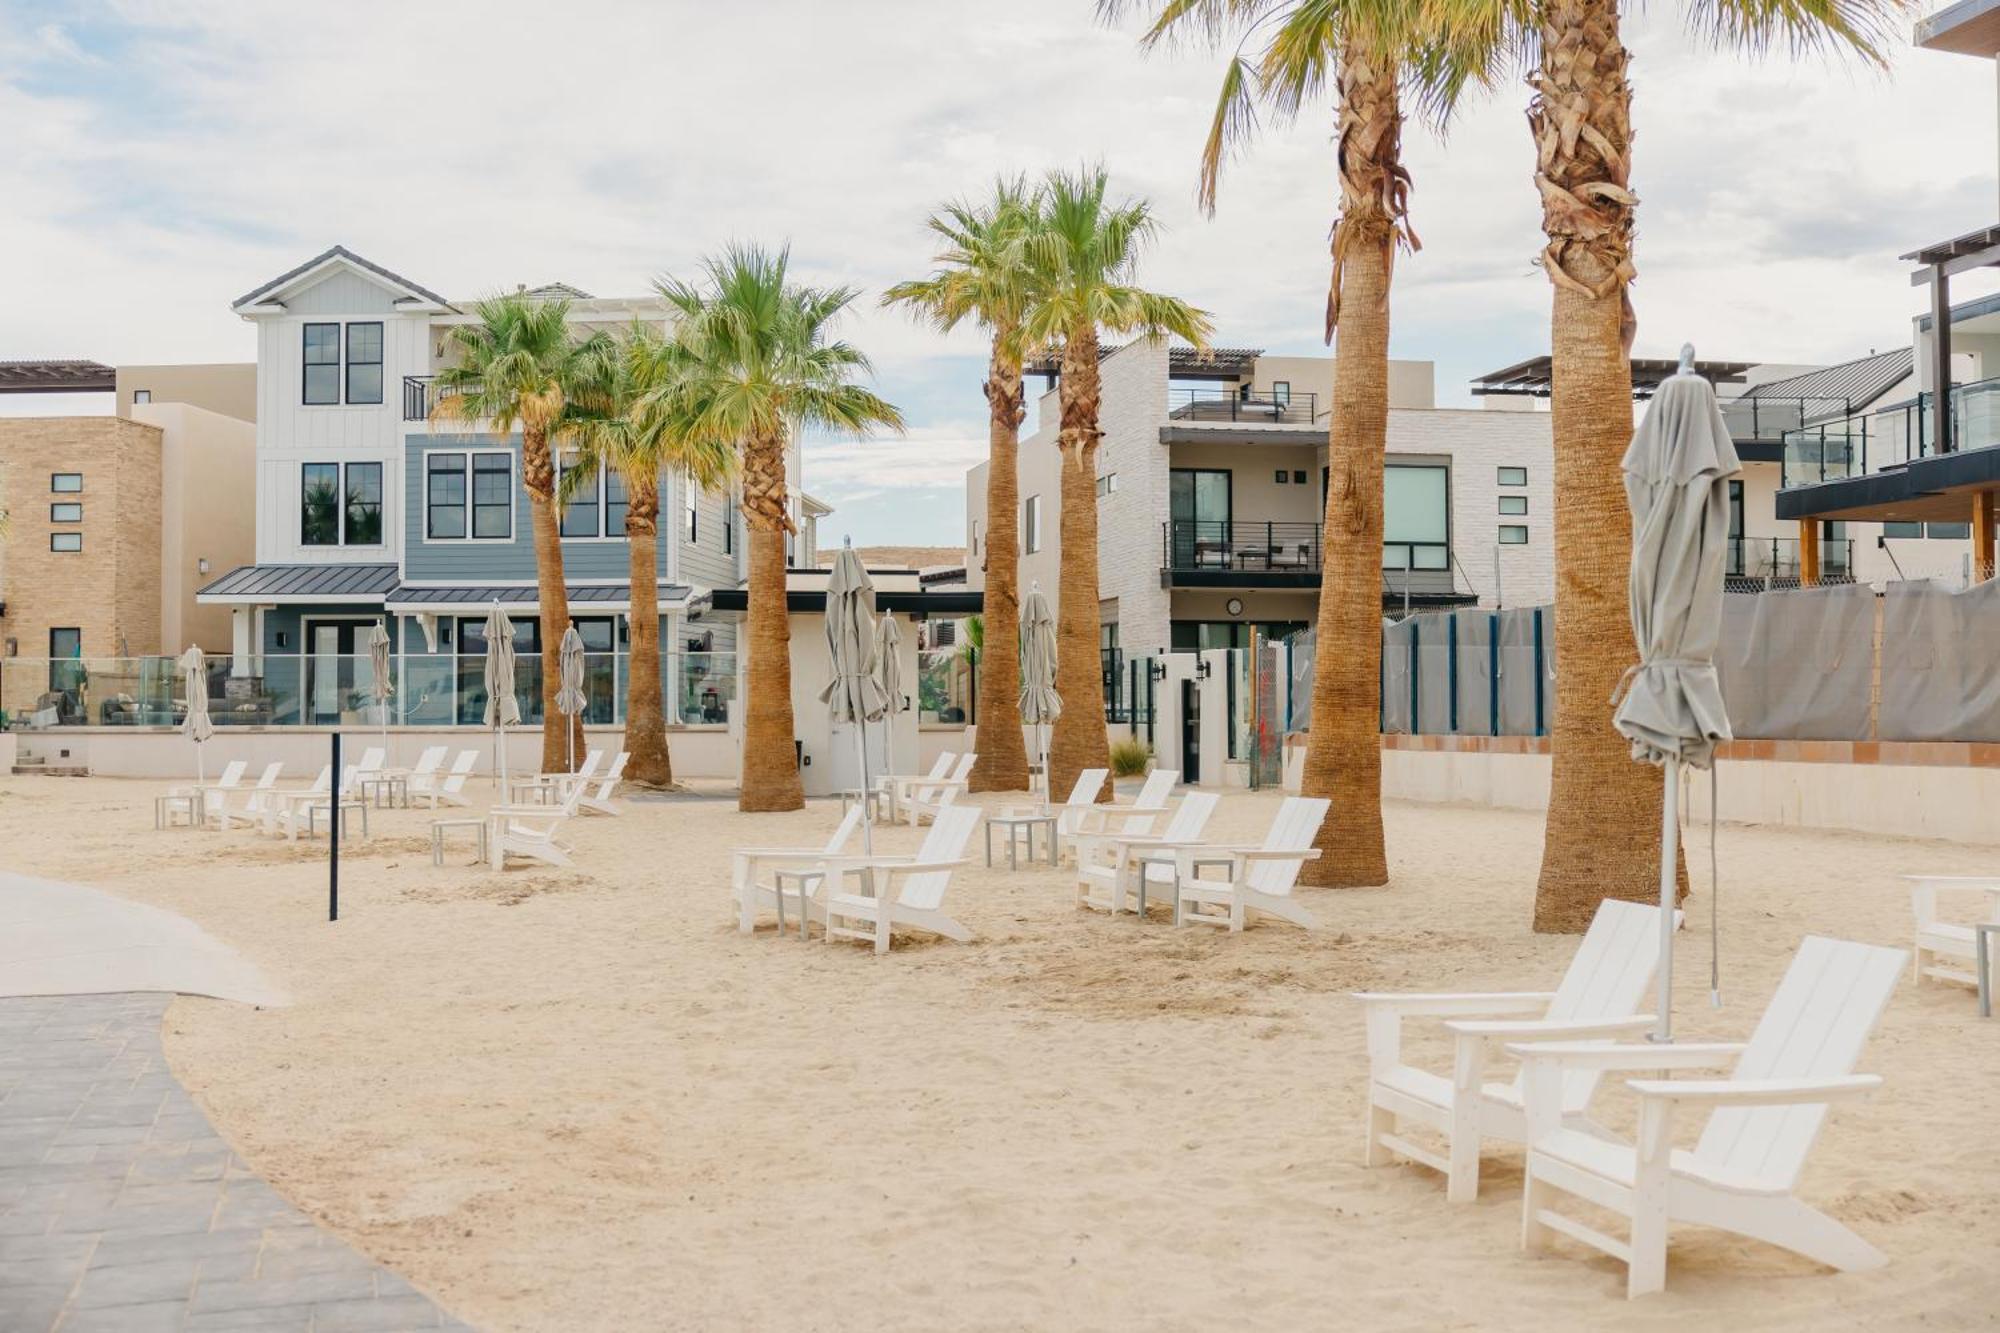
x,y
511,369
1085,248
759,362
625,419
1601,839
983,275
1361,48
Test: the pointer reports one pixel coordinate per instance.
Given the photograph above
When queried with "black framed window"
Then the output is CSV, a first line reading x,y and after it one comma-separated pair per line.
x,y
66,483
65,541
691,508
616,503
1031,525
322,365
492,495
580,515
319,504
1513,476
364,363
364,505
1513,504
444,496
69,512
65,654
1513,534
1416,516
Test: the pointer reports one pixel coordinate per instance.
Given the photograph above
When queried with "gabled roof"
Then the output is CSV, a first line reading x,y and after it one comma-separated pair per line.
x,y
1858,382
550,291
338,254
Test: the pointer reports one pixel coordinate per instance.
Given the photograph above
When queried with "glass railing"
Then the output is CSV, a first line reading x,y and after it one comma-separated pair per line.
x,y
1768,420
337,690
944,687
1887,437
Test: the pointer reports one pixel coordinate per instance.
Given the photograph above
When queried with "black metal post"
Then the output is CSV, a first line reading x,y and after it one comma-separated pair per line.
x,y
1940,359
333,836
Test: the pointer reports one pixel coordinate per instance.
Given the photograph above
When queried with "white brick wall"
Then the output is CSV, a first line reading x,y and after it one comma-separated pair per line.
x,y
1479,442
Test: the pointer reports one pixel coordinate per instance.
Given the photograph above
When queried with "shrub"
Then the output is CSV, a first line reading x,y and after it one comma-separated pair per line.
x,y
1130,757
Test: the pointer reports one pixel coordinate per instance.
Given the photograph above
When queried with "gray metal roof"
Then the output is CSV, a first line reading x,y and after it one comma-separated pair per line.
x,y
1182,362
525,594
551,290
341,252
1859,382
332,582
56,377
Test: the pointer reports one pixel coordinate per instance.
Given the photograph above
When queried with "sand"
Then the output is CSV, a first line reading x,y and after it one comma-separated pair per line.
x,y
581,1100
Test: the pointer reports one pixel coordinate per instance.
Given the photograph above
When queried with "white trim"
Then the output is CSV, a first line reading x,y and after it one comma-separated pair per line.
x,y
271,301
424,537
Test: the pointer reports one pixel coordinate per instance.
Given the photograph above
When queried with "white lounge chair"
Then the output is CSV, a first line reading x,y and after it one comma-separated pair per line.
x,y
530,831
1108,865
1255,879
1136,818
450,789
1082,800
426,770
1946,950
232,774
337,804
926,800
1762,1121
793,875
899,891
594,798
1606,981
554,786
224,813
886,785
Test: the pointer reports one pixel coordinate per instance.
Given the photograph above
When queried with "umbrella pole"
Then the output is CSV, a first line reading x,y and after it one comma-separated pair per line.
x,y
867,824
1670,831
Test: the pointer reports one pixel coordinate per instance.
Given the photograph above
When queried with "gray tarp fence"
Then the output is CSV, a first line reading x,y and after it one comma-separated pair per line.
x,y
1940,663
1796,664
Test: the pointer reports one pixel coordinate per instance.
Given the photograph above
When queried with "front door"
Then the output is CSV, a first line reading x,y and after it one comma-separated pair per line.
x,y
1198,502
332,650
1190,732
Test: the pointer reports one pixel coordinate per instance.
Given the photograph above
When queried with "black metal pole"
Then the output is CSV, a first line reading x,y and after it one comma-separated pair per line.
x,y
333,836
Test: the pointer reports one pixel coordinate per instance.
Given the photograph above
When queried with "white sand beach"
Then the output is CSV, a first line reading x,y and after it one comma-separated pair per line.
x,y
581,1100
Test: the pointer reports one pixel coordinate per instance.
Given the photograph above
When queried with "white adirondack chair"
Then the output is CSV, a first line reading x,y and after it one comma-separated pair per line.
x,y
1069,815
1946,950
885,785
1606,982
428,764
1762,1122
1256,879
1108,865
594,798
304,814
793,875
929,800
530,831
899,891
450,789
214,794
371,763
553,786
1136,818
255,798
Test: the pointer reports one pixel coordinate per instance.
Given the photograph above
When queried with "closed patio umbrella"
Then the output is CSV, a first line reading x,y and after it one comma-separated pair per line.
x,y
853,696
570,698
1040,704
197,726
888,671
1676,483
381,687
502,708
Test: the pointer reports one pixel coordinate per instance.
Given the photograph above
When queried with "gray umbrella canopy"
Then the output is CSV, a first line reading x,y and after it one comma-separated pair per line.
x,y
1675,482
886,666
196,726
502,708
853,697
570,697
381,686
1040,704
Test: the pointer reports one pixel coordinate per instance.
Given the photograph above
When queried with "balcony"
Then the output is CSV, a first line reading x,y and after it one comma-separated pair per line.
x,y
1759,425
1226,405
1773,562
417,397
1203,553
1866,442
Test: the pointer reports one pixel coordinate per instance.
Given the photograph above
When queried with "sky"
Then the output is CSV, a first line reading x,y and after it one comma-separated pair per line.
x,y
162,159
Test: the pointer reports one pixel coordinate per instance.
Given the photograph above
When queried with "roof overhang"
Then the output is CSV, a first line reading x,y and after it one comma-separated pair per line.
x,y
1936,489
279,585
57,377
585,599
269,299
1183,363
1960,254
812,601
1231,432
1535,377
1968,28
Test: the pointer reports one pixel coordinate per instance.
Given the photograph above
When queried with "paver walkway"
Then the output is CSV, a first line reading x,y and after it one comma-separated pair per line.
x,y
121,1209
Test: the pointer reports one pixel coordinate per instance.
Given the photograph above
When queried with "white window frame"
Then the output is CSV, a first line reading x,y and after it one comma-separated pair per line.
x,y
1031,525
513,496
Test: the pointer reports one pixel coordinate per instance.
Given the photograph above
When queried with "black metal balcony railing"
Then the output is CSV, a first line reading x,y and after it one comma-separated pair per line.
x,y
1214,546
1885,437
417,397
1776,559
1223,403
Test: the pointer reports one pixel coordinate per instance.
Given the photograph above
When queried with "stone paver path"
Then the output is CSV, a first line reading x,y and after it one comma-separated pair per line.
x,y
121,1209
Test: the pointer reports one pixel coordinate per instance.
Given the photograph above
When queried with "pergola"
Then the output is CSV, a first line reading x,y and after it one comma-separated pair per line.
x,y
57,377
1535,377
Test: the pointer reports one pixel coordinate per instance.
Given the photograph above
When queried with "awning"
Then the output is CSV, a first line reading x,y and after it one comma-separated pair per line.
x,y
365,584
379,586
589,598
733,602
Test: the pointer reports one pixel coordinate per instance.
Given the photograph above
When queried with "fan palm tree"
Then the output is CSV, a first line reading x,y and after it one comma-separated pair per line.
x,y
1085,248
512,369
759,362
1361,49
623,418
983,275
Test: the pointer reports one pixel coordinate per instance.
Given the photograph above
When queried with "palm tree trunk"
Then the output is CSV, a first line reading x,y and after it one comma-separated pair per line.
x,y
648,762
770,766
1078,740
1003,757
1602,835
538,474
1344,748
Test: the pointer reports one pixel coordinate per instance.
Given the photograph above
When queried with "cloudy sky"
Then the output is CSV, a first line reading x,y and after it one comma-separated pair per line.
x,y
161,159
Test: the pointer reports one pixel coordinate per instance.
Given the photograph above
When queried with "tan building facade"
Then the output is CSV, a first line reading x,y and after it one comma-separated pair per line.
x,y
228,388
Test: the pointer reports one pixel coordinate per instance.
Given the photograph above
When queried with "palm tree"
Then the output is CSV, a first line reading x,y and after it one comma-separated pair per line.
x,y
512,369
1360,47
1085,249
623,418
983,275
758,363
